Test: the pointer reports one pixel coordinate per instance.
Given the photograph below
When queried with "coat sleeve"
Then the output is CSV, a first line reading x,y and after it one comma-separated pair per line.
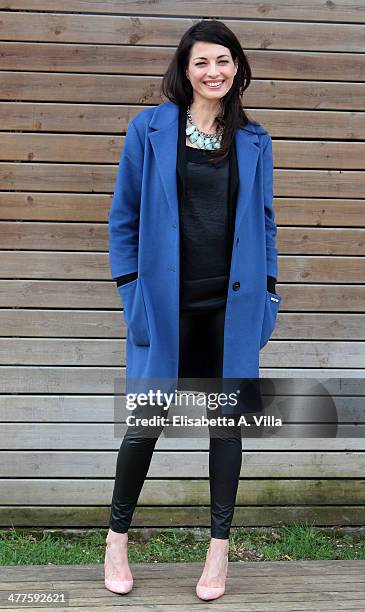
x,y
270,226
123,225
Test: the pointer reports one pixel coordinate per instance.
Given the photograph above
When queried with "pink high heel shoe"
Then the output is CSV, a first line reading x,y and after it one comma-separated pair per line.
x,y
209,593
117,586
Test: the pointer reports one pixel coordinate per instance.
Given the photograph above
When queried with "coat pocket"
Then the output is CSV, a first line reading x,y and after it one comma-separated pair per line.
x,y
272,305
135,313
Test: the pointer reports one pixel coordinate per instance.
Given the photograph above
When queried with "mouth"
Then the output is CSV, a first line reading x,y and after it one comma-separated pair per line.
x,y
213,84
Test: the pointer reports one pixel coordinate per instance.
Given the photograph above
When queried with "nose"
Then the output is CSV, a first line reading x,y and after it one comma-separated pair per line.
x,y
212,72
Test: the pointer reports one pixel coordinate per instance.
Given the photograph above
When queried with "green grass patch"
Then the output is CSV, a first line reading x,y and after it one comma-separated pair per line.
x,y
288,542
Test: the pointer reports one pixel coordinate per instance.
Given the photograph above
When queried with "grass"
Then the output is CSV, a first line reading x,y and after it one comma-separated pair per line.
x,y
289,542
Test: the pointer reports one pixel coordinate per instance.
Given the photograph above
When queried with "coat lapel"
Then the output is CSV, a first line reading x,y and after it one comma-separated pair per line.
x,y
164,141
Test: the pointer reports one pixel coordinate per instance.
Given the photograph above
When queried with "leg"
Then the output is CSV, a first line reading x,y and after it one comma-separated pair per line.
x,y
133,462
225,459
202,357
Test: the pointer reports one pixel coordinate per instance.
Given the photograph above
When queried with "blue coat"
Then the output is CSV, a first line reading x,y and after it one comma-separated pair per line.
x,y
144,238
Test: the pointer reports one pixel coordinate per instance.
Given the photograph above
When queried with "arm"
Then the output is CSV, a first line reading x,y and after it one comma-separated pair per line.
x,y
125,208
270,226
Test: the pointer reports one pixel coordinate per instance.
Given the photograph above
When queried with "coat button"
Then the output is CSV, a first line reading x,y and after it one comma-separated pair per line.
x,y
236,286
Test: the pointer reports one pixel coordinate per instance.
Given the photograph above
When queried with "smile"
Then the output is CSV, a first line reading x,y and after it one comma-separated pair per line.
x,y
213,84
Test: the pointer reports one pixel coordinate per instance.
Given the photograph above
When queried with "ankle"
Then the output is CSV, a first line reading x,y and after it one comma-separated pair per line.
x,y
114,537
218,546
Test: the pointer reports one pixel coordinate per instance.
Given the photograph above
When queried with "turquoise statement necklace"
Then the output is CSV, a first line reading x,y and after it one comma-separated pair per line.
x,y
203,140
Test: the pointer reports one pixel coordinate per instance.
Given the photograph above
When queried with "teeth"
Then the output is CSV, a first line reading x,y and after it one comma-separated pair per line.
x,y
214,84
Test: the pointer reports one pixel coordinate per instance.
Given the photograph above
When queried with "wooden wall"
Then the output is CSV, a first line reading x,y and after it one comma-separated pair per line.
x,y
73,74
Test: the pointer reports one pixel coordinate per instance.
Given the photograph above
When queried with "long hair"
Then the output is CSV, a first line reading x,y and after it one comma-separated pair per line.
x,y
176,86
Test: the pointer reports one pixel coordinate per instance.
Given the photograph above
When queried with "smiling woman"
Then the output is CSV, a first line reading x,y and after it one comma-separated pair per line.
x,y
192,228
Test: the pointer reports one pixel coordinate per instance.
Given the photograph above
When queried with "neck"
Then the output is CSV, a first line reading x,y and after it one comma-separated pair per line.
x,y
204,113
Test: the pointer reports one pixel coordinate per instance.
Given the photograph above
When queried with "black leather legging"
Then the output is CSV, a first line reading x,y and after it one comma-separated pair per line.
x,y
200,356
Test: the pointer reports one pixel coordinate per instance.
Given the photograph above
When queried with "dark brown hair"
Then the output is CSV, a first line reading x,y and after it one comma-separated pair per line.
x,y
176,86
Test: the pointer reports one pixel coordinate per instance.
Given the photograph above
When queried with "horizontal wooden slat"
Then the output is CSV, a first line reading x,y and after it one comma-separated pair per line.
x,y
35,206
120,30
95,266
188,516
42,379
91,88
95,295
105,352
272,492
349,569
94,237
86,436
135,60
101,178
114,118
55,206
305,408
95,149
107,324
317,212
183,464
343,10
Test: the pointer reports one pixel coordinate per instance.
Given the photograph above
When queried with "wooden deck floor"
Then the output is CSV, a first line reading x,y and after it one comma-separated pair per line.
x,y
285,586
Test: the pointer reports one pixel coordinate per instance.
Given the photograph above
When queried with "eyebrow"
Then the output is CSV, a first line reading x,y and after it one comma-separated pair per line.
x,y
224,55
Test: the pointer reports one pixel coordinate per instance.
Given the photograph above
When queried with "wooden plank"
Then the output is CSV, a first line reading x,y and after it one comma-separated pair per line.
x,y
167,492
113,118
86,436
101,178
108,352
69,148
324,408
87,573
95,266
121,30
310,241
265,93
319,212
94,237
35,206
183,464
99,380
313,354
110,324
317,269
96,295
318,183
144,59
179,516
344,10
100,149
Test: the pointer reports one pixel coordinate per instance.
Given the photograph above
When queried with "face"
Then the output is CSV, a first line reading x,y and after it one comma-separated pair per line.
x,y
211,70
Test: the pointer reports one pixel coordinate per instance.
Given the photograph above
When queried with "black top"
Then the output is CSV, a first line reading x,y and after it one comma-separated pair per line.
x,y
204,233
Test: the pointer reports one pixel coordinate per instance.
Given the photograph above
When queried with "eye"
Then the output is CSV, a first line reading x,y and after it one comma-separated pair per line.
x,y
220,62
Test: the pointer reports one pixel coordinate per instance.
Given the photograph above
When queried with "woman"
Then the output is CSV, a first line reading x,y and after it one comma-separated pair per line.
x,y
192,248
